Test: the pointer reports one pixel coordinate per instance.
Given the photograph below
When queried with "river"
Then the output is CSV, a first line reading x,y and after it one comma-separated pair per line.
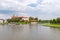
x,y
28,32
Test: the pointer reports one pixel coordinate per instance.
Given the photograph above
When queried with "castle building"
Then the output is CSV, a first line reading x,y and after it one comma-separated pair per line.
x,y
22,17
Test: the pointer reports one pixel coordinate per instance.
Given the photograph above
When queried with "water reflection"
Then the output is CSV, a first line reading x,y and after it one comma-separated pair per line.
x,y
28,32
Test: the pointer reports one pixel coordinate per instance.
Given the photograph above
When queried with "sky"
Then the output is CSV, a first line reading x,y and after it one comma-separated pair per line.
x,y
43,9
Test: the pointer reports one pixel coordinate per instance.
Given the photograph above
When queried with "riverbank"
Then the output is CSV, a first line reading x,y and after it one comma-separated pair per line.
x,y
18,23
52,25
4,23
22,23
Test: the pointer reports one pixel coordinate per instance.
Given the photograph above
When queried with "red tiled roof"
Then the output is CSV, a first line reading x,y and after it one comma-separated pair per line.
x,y
23,17
18,17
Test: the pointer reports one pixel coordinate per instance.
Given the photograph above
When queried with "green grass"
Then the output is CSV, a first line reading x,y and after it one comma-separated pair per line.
x,y
4,23
52,25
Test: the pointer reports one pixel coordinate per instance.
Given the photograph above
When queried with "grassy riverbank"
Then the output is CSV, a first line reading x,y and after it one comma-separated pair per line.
x,y
52,25
14,23
4,23
22,23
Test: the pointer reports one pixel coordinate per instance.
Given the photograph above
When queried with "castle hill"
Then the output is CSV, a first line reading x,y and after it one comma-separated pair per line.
x,y
19,20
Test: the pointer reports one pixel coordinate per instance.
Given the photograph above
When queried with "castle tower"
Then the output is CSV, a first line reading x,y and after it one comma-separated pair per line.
x,y
14,16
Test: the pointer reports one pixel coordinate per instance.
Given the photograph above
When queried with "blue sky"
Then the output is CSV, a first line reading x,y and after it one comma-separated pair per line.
x,y
43,9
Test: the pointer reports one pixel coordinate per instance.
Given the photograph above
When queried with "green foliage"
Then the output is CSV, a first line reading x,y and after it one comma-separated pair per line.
x,y
31,18
13,20
39,21
36,19
53,21
58,20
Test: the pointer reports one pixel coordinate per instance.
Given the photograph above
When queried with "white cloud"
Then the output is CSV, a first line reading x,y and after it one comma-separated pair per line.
x,y
3,16
50,6
47,7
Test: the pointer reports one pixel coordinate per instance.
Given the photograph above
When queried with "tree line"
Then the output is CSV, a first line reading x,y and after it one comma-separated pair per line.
x,y
52,21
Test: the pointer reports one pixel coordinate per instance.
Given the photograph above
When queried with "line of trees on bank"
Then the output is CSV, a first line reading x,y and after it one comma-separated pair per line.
x,y
53,21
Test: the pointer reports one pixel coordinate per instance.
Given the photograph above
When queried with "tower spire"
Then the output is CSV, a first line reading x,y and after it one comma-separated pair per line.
x,y
13,14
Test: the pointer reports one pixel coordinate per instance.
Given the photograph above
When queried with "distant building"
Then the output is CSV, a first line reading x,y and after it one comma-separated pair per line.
x,y
25,18
14,17
22,18
3,21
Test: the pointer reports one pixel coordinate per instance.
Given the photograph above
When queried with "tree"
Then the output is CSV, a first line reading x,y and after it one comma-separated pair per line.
x,y
30,19
58,20
36,19
54,21
14,20
39,20
50,21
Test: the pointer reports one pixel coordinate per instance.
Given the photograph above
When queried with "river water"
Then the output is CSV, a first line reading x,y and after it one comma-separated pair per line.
x,y
28,32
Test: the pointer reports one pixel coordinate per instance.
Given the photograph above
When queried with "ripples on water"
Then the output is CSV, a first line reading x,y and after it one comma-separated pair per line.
x,y
28,32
